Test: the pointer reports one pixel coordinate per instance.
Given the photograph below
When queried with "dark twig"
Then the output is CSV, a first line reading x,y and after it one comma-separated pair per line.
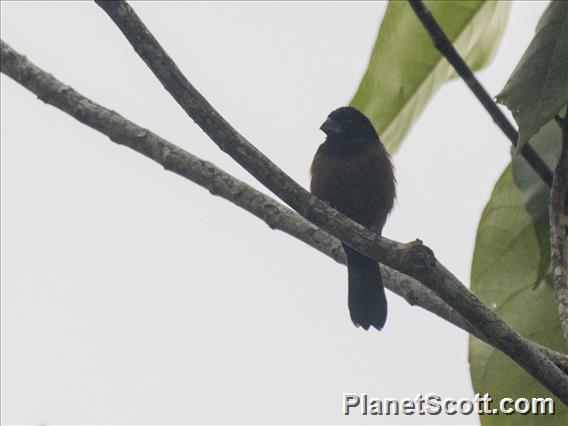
x,y
556,208
220,183
413,259
446,48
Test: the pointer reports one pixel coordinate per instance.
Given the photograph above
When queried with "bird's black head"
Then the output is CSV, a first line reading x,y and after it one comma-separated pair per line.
x,y
348,130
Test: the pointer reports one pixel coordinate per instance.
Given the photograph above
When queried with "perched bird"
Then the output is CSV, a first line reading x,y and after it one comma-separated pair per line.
x,y
353,172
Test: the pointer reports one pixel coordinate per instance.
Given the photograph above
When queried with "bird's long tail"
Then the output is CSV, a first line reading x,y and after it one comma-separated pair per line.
x,y
366,298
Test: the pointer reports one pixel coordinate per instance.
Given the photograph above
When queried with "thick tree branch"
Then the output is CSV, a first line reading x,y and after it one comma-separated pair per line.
x,y
556,208
413,259
205,174
446,48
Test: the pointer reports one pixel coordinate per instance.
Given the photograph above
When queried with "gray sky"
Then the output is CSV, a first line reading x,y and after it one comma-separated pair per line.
x,y
130,295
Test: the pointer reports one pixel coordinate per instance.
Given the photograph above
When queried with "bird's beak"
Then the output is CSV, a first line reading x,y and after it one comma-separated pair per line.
x,y
330,127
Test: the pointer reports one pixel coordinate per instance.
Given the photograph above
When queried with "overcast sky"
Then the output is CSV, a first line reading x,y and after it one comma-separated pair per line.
x,y
131,295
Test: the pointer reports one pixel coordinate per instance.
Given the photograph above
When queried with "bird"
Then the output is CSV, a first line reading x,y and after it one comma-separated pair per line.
x,y
353,172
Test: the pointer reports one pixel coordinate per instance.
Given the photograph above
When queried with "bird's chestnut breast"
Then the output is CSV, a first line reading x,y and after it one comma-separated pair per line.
x,y
360,185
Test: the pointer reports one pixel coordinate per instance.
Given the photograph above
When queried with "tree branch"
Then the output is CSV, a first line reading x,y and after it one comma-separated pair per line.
x,y
219,183
446,48
556,208
413,259
210,177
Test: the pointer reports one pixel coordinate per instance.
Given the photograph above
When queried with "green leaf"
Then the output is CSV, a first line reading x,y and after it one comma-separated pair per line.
x,y
538,87
405,69
534,191
506,265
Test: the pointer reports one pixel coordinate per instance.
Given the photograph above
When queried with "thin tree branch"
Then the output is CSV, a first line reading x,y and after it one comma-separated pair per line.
x,y
219,183
413,259
556,208
446,48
